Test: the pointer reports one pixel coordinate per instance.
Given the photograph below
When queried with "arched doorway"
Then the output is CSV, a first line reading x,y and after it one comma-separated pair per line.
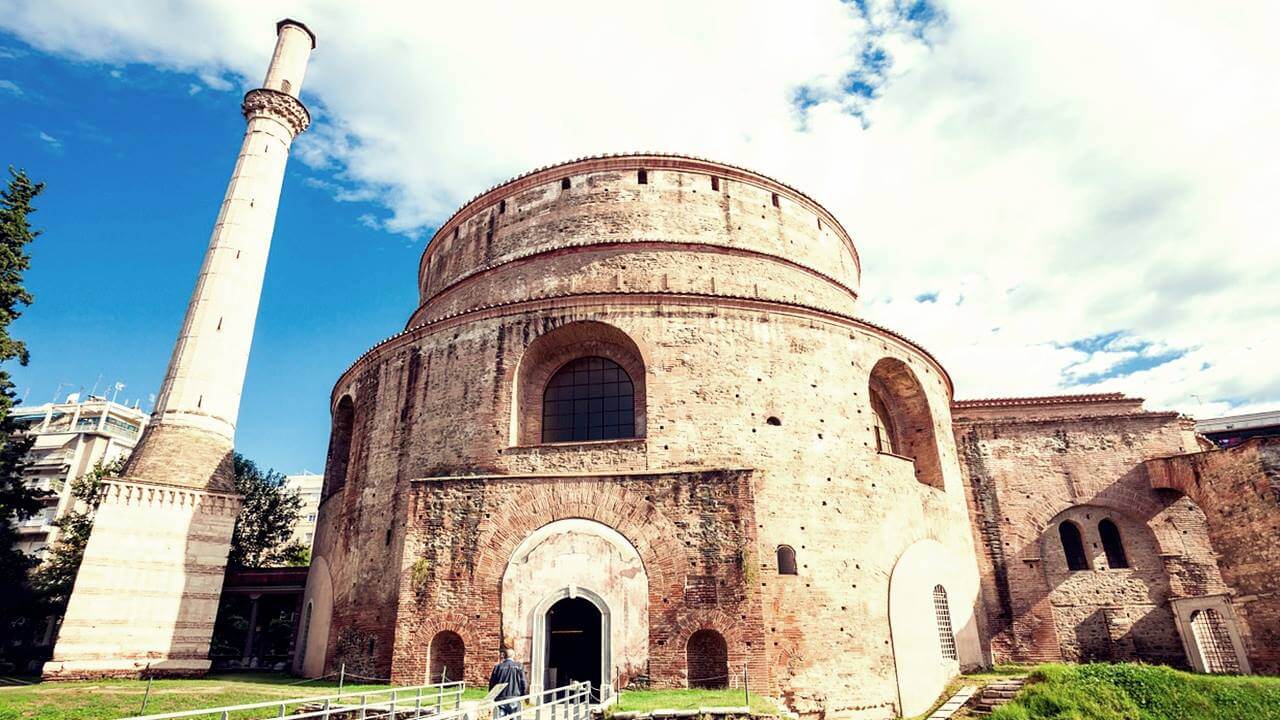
x,y
574,642
707,660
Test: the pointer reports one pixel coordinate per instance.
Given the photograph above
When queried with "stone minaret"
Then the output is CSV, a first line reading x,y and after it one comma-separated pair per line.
x,y
148,588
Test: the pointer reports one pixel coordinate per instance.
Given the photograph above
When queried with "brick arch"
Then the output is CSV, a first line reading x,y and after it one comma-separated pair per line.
x,y
730,627
651,533
1142,510
479,656
903,400
551,350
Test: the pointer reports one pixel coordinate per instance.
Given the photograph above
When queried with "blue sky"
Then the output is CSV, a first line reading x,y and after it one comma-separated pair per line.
x,y
1042,218
136,169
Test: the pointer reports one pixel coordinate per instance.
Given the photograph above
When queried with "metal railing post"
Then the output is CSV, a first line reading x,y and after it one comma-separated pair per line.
x,y
417,705
363,713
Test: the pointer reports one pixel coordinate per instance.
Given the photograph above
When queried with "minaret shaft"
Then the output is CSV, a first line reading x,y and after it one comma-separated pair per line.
x,y
146,595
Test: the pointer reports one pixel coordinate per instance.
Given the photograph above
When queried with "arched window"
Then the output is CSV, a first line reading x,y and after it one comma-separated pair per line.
x,y
590,398
1214,642
447,656
882,424
786,560
707,656
901,420
1073,546
942,615
335,467
1112,545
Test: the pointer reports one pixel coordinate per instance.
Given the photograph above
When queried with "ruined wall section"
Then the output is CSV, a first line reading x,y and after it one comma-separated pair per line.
x,y
1239,490
1032,464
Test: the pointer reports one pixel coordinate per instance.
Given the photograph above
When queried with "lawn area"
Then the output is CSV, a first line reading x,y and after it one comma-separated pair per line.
x,y
979,680
648,700
1140,692
110,699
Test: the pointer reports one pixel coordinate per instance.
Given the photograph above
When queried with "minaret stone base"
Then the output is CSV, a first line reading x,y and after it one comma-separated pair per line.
x,y
142,532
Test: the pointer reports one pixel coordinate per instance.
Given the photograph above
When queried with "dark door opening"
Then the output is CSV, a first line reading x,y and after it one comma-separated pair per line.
x,y
573,644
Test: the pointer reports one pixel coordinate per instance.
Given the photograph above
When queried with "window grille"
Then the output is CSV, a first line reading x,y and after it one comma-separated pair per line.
x,y
590,398
1210,632
946,636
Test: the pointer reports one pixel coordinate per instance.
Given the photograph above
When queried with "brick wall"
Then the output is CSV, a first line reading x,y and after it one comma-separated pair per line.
x,y
1032,465
1239,490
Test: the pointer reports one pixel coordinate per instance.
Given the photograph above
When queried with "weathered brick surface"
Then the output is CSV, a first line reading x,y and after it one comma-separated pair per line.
x,y
757,432
1239,490
1031,466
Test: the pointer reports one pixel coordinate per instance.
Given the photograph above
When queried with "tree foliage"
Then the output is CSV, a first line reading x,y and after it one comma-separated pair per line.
x,y
17,501
264,530
55,578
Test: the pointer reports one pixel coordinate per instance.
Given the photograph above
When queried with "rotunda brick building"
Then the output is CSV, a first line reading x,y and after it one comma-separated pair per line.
x,y
635,429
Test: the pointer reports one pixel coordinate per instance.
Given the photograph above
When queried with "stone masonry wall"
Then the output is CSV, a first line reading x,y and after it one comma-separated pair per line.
x,y
1030,466
1239,490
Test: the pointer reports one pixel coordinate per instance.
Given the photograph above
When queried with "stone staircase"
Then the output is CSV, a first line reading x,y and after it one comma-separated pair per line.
x,y
997,694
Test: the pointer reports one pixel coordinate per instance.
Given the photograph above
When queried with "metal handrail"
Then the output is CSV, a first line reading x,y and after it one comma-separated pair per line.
x,y
570,702
399,702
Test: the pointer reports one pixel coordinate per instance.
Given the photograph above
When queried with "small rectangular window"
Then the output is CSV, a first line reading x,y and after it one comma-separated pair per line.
x,y
715,183
643,177
564,184
775,200
502,206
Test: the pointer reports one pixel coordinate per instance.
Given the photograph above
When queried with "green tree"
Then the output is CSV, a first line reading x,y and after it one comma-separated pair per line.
x,y
55,578
17,501
264,529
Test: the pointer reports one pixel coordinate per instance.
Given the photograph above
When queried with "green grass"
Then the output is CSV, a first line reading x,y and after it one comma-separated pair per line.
x,y
980,680
648,700
1140,692
110,699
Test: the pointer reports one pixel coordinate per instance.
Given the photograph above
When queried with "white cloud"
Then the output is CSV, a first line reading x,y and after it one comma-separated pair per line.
x,y
193,88
53,142
1054,172
10,86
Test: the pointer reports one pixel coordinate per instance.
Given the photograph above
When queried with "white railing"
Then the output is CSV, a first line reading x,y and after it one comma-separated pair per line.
x,y
439,702
571,702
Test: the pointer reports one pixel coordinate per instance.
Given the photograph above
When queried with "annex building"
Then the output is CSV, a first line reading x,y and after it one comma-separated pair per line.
x,y
636,431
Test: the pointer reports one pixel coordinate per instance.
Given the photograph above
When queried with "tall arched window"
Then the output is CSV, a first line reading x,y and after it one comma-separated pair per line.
x,y
786,560
1073,546
883,425
901,420
1112,545
335,468
707,658
590,398
942,615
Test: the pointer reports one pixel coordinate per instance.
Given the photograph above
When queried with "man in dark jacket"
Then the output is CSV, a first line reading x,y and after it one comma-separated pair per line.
x,y
510,672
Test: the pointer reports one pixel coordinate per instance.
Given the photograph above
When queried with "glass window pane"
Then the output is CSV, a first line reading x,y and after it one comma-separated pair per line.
x,y
588,399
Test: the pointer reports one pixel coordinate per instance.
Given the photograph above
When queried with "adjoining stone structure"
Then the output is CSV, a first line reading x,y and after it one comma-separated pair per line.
x,y
147,591
1082,557
637,420
1239,490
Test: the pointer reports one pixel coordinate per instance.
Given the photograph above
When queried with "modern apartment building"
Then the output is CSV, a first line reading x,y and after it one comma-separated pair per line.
x,y
308,485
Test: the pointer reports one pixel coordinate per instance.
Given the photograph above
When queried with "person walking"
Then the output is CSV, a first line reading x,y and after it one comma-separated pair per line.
x,y
510,672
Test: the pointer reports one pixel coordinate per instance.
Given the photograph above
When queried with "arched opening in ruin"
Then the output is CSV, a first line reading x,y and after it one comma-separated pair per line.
x,y
447,657
576,644
579,382
1072,546
590,398
902,423
339,457
1112,544
707,660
